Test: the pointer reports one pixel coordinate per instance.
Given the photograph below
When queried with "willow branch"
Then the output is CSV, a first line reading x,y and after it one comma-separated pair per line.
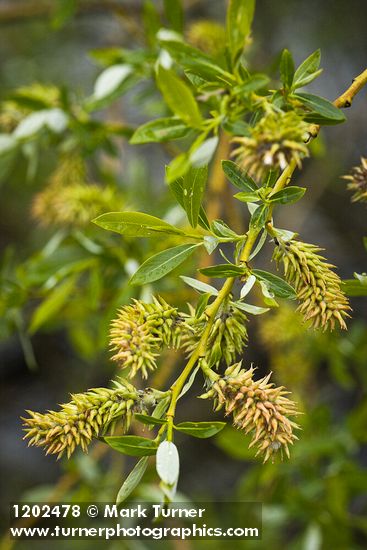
x,y
345,100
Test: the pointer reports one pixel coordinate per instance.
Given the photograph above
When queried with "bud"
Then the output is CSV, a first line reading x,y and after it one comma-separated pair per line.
x,y
358,181
139,333
276,140
86,416
258,408
322,302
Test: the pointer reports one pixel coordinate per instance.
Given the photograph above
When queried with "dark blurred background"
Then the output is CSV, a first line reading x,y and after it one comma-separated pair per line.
x,y
324,487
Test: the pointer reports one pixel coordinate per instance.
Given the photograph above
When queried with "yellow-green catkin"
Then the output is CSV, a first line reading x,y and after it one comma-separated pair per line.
x,y
258,407
139,333
227,338
68,200
88,415
318,287
276,140
358,181
208,36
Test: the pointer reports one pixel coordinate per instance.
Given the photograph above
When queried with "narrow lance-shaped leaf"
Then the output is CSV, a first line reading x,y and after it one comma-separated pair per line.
x,y
323,111
132,445
178,97
196,61
136,224
202,430
193,190
132,480
275,284
259,216
239,18
162,263
223,270
286,69
174,12
160,130
305,73
288,195
52,304
238,177
177,187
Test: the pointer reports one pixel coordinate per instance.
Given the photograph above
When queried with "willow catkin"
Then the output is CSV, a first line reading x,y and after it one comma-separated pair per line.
x,y
318,287
258,407
86,416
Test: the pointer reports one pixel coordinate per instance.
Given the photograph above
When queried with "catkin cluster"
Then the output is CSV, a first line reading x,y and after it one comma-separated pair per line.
x,y
358,181
86,416
227,338
69,200
276,140
139,333
258,408
318,287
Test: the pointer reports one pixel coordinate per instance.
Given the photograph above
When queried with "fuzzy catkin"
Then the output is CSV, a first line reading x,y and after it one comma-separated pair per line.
x,y
276,140
318,287
227,338
139,333
258,407
86,416
358,181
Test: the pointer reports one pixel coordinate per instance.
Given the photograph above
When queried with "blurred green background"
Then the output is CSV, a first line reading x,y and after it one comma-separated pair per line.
x,y
316,500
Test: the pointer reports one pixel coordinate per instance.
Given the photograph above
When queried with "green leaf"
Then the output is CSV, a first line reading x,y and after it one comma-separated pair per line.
x,y
55,120
160,264
160,130
210,243
238,177
276,285
136,224
286,69
132,480
110,80
305,72
253,83
202,430
193,190
221,229
177,187
249,308
323,111
202,155
288,195
56,299
354,287
196,61
148,420
223,270
247,197
161,407
174,12
132,445
236,127
191,379
168,462
238,25
177,168
179,97
200,286
259,216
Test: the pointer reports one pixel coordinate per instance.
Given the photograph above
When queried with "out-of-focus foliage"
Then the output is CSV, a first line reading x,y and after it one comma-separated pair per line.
x,y
60,154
